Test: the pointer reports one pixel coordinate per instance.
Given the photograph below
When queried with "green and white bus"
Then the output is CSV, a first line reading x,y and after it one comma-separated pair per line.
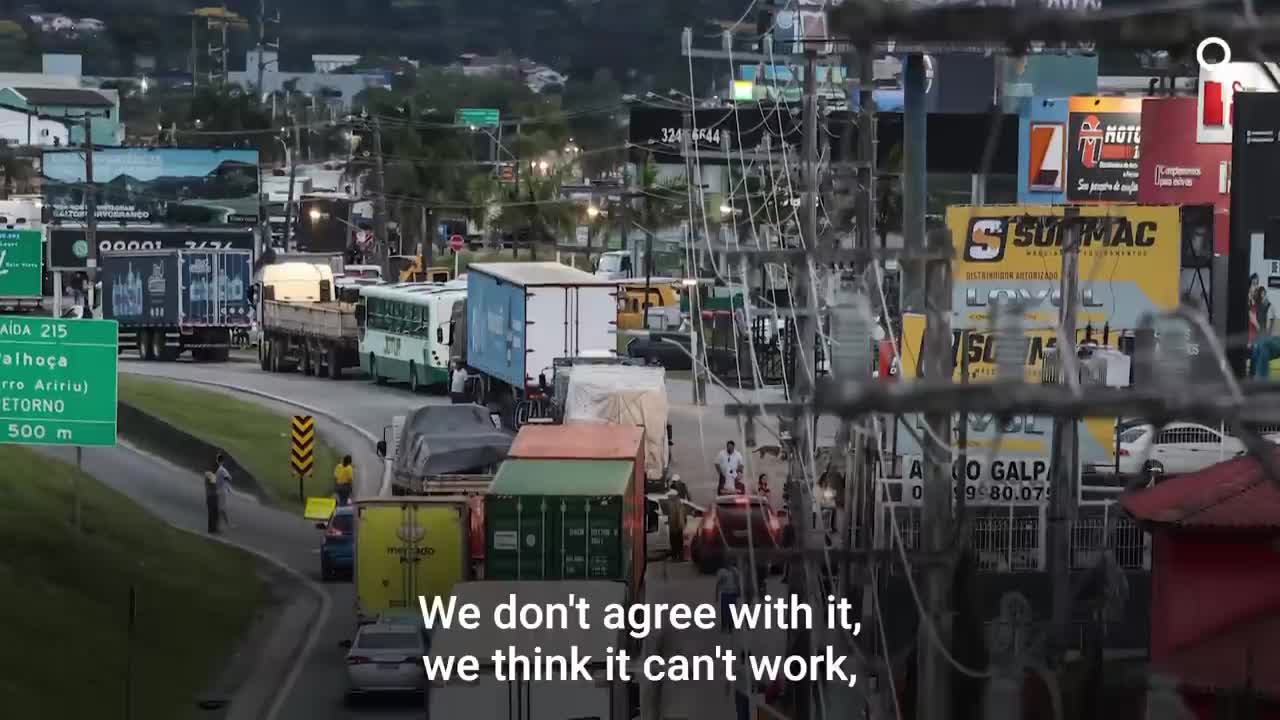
x,y
405,332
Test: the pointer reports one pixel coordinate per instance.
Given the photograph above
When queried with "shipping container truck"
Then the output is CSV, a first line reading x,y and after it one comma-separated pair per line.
x,y
302,324
448,450
168,302
565,520
518,699
407,547
521,316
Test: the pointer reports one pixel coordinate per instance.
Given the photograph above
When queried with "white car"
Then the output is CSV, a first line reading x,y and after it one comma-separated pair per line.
x,y
386,657
658,523
1175,449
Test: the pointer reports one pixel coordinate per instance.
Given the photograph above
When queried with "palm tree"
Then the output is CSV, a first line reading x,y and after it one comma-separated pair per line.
x,y
662,203
538,212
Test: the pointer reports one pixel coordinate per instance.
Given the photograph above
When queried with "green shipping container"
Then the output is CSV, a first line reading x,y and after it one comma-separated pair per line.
x,y
563,520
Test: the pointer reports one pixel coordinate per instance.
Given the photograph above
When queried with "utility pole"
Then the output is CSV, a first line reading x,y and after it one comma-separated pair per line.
x,y
798,485
1065,489
914,118
380,238
264,45
91,209
933,687
693,181
289,215
866,147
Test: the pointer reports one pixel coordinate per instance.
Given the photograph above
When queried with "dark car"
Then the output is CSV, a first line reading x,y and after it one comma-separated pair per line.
x,y
337,553
735,522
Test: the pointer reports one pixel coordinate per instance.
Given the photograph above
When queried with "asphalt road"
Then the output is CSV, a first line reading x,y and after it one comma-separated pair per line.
x,y
699,434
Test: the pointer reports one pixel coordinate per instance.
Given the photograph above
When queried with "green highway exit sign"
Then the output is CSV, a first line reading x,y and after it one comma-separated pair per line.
x,y
21,252
57,381
476,117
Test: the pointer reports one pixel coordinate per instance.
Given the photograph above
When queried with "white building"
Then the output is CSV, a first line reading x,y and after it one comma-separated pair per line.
x,y
23,128
330,63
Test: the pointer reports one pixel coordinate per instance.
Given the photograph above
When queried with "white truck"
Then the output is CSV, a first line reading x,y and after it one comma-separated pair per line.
x,y
303,324
491,699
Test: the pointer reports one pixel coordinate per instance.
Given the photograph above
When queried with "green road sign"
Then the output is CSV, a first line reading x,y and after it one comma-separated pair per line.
x,y
57,381
20,263
476,117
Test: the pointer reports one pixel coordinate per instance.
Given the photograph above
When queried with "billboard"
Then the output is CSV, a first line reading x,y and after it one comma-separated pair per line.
x,y
154,186
69,249
1042,151
1104,134
1255,225
1129,262
1175,170
1215,97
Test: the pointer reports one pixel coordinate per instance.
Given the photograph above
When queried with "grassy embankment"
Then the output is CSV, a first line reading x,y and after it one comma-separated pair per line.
x,y
256,437
66,600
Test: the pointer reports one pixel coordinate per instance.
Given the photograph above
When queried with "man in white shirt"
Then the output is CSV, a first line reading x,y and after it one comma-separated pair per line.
x,y
729,464
458,385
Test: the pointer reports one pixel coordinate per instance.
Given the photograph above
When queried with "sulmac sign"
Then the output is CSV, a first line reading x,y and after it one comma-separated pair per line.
x,y
1215,98
1129,261
57,381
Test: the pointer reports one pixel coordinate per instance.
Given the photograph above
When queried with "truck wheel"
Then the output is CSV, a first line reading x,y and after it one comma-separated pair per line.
x,y
158,349
307,360
335,367
200,355
263,359
413,377
276,363
220,354
144,345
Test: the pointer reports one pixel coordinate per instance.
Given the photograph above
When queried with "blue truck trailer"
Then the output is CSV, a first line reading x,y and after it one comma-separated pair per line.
x,y
168,302
521,316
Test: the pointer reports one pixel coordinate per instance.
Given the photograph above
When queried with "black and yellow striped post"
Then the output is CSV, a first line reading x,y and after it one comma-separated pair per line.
x,y
302,448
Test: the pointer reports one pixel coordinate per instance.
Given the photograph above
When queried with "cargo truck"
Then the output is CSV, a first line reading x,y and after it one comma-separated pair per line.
x,y
303,324
450,450
407,547
168,302
571,509
521,316
627,395
519,699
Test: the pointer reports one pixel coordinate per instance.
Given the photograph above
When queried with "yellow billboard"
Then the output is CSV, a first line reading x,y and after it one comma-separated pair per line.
x,y
1129,262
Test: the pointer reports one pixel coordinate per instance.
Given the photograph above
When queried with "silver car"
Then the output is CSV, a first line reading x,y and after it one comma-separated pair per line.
x,y
386,657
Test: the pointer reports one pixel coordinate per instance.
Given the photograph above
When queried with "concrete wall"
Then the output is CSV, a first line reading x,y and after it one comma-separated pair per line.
x,y
182,449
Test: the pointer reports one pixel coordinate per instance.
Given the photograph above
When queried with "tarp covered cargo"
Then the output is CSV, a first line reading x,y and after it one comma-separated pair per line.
x,y
578,440
449,439
626,395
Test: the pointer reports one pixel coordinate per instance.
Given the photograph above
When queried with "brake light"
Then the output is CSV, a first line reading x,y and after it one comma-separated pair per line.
x,y
358,660
1124,452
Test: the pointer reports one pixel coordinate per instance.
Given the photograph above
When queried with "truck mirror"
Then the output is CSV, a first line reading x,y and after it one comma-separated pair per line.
x,y
440,335
382,449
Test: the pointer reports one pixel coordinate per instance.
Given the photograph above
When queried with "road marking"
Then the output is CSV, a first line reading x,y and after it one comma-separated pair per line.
x,y
384,489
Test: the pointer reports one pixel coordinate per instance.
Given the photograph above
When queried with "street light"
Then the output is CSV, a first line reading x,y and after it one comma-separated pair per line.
x,y
593,211
315,215
543,166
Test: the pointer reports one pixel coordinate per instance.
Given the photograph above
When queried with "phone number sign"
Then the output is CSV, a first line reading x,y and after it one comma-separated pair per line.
x,y
1002,481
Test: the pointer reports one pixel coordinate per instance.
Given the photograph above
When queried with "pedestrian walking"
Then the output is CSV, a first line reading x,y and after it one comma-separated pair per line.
x,y
211,502
458,385
728,588
343,473
729,464
675,525
222,479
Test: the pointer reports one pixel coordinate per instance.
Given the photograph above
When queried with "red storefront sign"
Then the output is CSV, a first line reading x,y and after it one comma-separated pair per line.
x,y
1177,170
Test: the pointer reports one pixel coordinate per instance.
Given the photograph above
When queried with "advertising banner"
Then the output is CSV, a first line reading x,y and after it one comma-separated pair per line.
x,y
69,249
1255,230
988,481
155,186
1215,99
1176,170
1128,262
1042,151
1104,134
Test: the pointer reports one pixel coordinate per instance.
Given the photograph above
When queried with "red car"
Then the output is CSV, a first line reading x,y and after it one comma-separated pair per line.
x,y
735,522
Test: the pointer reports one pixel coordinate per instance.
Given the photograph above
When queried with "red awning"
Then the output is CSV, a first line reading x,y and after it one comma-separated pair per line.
x,y
1230,495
